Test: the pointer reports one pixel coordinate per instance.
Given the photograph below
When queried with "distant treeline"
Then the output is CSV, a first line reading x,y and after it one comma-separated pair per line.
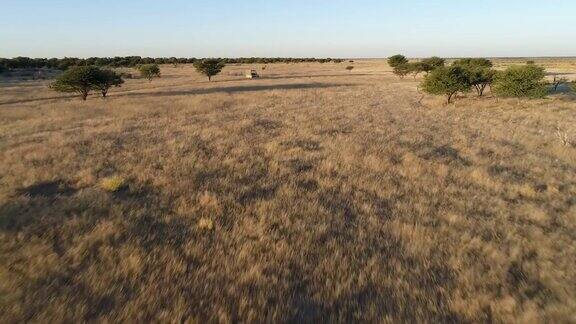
x,y
134,61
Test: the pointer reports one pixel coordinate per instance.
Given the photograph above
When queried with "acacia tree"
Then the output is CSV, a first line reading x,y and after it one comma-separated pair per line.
x,y
149,71
209,67
431,63
79,79
416,68
521,81
478,71
446,81
106,80
397,60
402,70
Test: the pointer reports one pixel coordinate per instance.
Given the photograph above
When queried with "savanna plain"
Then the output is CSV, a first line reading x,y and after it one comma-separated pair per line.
x,y
311,194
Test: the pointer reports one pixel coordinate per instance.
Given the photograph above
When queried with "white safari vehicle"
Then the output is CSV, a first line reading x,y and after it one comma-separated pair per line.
x,y
252,74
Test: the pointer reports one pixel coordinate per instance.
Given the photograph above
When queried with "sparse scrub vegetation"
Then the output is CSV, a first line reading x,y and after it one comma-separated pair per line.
x,y
312,196
350,68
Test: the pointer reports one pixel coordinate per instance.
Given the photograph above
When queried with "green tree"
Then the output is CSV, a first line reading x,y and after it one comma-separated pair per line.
x,y
478,71
481,62
417,68
106,80
209,67
397,60
446,81
402,70
149,71
431,63
521,81
79,79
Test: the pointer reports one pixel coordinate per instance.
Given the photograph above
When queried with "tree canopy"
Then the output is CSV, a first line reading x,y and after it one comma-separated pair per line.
x,y
209,67
446,81
397,60
523,81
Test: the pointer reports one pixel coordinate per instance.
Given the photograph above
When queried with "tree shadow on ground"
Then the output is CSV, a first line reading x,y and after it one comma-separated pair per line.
x,y
234,89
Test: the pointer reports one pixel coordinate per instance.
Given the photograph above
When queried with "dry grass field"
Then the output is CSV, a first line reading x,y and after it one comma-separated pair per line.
x,y
312,194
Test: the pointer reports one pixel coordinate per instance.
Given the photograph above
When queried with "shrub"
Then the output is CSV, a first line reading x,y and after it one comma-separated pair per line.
x,y
524,81
573,85
402,70
209,67
478,71
149,71
112,184
397,60
107,79
446,81
350,68
79,79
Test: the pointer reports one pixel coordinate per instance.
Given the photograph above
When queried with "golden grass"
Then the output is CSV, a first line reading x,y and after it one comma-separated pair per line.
x,y
313,194
112,184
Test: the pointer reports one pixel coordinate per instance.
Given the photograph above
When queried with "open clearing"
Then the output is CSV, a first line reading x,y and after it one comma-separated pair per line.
x,y
311,194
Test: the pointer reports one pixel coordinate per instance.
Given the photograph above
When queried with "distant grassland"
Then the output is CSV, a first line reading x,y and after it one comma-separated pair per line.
x,y
312,194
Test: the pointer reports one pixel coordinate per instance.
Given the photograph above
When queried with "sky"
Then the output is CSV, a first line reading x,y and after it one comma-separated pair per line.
x,y
287,28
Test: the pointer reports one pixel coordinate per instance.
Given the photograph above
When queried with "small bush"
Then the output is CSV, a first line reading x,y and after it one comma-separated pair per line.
x,y
397,60
573,85
350,68
112,184
525,81
149,71
446,81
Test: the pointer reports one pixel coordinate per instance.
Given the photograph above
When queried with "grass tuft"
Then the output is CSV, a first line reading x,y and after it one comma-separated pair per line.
x,y
112,184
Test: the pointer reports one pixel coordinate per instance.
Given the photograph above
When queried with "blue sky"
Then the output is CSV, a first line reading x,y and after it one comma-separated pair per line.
x,y
287,28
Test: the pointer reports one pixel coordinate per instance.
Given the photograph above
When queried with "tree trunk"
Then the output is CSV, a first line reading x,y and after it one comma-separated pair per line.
x,y
84,95
209,78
